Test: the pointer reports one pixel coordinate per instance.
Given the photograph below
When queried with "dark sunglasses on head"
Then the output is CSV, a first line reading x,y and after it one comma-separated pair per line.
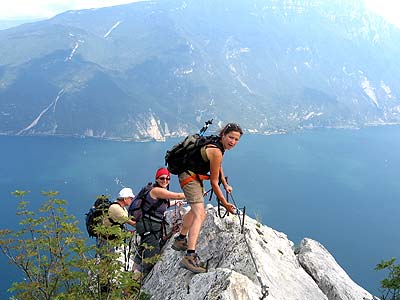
x,y
164,178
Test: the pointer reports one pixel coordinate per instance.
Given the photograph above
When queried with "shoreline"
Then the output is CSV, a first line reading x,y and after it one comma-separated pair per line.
x,y
168,137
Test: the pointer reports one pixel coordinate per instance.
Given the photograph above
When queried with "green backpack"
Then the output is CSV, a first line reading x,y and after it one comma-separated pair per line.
x,y
184,156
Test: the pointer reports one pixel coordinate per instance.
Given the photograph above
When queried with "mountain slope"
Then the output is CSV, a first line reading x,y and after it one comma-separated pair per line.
x,y
160,68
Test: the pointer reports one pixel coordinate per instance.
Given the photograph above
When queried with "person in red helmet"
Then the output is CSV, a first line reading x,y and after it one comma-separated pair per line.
x,y
156,200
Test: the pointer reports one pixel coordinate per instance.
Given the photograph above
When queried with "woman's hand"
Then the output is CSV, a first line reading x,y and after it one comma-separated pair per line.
x,y
228,188
180,203
231,208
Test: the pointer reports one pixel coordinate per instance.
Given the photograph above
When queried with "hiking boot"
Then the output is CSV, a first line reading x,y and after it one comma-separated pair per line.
x,y
192,263
179,245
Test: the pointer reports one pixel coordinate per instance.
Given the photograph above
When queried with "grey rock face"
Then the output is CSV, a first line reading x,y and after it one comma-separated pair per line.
x,y
239,264
330,277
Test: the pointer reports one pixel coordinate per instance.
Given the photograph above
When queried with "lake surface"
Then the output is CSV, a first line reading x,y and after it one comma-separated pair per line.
x,y
339,187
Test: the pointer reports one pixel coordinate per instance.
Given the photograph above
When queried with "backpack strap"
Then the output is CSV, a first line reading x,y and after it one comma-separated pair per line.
x,y
215,143
212,146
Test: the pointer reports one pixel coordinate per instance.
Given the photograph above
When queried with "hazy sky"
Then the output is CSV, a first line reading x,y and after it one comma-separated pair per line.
x,y
390,9
29,9
32,9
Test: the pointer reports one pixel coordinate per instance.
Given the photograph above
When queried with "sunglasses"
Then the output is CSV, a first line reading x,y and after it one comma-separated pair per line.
x,y
164,178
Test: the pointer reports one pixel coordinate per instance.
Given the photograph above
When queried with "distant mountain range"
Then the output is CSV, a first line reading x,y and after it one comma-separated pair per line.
x,y
154,69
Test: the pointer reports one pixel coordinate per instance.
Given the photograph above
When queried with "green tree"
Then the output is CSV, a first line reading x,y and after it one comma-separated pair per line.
x,y
57,262
390,286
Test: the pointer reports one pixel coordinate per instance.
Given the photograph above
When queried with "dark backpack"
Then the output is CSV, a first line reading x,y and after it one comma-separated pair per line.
x,y
140,206
94,216
183,156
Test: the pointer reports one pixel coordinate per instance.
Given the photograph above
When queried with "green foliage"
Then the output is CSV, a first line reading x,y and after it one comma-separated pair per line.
x,y
150,260
390,286
56,260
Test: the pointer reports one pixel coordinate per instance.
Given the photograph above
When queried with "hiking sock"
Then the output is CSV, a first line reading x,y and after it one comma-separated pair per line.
x,y
181,237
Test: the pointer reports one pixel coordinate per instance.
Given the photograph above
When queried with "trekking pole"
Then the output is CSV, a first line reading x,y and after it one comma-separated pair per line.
x,y
204,128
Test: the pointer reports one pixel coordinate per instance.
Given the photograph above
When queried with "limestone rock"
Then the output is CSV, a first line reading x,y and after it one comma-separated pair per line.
x,y
330,277
240,264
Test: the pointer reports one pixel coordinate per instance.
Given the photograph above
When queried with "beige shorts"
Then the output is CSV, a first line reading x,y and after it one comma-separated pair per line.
x,y
194,191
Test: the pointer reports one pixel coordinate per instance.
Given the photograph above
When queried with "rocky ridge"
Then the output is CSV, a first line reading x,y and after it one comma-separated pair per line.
x,y
245,266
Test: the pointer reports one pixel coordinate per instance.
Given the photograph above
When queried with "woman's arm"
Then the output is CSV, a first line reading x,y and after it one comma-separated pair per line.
x,y
161,193
227,187
215,157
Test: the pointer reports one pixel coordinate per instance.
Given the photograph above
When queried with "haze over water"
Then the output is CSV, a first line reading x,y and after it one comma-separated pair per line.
x,y
339,187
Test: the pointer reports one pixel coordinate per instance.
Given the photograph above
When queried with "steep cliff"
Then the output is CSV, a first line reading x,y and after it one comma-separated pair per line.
x,y
260,263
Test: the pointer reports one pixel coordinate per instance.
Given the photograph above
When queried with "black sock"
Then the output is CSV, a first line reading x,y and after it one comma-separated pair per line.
x,y
181,237
188,252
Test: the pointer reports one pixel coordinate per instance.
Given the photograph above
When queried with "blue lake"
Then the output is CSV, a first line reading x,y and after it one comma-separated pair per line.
x,y
340,187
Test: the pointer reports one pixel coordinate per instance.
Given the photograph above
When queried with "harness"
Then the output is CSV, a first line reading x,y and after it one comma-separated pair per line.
x,y
149,217
162,233
193,176
149,220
